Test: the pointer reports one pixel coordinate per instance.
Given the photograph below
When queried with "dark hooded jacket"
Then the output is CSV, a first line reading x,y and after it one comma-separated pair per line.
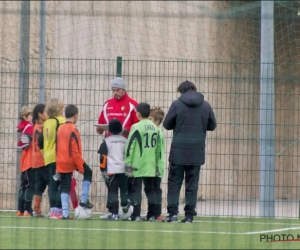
x,y
189,117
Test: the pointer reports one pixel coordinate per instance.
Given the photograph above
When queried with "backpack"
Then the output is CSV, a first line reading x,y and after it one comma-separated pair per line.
x,y
41,137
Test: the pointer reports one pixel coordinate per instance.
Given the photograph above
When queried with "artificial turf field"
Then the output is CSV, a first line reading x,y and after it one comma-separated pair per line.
x,y
203,233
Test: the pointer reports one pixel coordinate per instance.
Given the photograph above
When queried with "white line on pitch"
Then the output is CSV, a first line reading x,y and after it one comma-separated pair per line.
x,y
247,222
149,231
117,230
207,221
274,230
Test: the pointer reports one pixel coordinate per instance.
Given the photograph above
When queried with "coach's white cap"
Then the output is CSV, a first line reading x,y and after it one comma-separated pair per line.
x,y
118,82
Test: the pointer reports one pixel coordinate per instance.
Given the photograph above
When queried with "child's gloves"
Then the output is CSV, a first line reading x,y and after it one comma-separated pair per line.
x,y
125,132
57,177
157,174
105,176
129,170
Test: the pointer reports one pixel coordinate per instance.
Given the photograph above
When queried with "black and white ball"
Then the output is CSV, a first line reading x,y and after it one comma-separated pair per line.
x,y
82,213
125,216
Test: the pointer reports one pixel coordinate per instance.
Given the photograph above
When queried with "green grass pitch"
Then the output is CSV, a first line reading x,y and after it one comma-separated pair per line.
x,y
203,233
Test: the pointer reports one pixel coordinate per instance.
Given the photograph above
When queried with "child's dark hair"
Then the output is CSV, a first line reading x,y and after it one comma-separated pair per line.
x,y
144,109
39,108
186,86
71,110
115,126
157,114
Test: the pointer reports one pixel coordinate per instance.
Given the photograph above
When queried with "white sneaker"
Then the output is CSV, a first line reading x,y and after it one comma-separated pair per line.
x,y
105,216
138,218
113,217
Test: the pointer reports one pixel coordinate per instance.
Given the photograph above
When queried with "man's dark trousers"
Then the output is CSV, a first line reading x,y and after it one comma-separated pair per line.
x,y
175,179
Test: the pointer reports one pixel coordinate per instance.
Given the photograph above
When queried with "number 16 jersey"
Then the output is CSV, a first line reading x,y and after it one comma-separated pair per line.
x,y
143,148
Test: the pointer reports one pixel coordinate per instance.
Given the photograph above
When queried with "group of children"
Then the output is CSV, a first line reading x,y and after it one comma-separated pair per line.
x,y
128,163
52,151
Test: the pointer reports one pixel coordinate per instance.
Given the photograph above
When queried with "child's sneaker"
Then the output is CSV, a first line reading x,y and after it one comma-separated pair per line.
x,y
27,214
151,219
37,214
59,211
171,218
105,216
67,217
86,204
159,218
138,218
187,220
19,213
113,217
55,216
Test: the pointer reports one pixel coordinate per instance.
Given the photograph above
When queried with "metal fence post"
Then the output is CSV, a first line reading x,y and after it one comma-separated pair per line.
x,y
23,72
42,51
267,112
119,66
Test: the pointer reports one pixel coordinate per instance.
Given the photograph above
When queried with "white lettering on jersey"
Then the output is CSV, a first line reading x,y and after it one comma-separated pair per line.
x,y
115,157
115,114
120,141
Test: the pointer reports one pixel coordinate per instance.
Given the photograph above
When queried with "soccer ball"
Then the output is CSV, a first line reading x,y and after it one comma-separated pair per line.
x,y
125,216
82,213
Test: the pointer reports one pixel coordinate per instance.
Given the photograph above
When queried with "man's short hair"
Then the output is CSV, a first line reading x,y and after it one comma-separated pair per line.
x,y
186,86
144,109
71,110
157,114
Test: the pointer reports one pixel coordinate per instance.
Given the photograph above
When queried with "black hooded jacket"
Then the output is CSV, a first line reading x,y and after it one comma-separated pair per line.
x,y
189,117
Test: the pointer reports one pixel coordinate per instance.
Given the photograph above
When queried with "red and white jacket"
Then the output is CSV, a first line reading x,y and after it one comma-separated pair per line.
x,y
122,109
24,127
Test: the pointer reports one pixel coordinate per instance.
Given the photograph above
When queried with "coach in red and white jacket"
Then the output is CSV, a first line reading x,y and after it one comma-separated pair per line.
x,y
121,107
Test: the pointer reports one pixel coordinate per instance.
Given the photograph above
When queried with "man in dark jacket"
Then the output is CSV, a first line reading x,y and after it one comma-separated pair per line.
x,y
189,117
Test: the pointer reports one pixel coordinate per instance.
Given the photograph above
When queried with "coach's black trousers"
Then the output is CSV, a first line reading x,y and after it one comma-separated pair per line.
x,y
175,179
134,186
26,191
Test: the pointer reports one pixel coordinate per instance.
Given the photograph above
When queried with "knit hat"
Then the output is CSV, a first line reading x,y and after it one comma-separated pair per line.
x,y
118,82
115,126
